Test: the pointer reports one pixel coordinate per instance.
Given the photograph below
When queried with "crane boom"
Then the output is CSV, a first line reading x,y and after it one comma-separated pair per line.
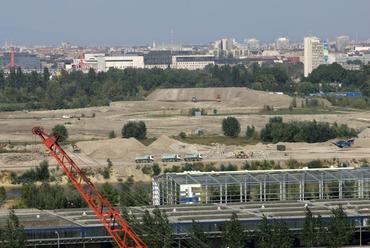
x,y
109,216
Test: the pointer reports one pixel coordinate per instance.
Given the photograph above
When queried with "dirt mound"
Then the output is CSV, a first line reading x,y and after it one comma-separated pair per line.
x,y
365,134
165,144
235,96
119,149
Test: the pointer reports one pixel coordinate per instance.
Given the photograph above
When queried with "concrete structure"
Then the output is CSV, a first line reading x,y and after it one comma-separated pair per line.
x,y
262,186
313,54
282,43
192,62
341,43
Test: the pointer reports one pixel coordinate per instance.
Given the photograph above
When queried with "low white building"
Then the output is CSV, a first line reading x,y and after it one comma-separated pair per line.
x,y
192,62
123,62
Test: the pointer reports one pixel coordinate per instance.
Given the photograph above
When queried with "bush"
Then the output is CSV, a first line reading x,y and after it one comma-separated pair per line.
x,y
251,132
156,169
231,127
61,130
135,129
2,195
182,135
112,134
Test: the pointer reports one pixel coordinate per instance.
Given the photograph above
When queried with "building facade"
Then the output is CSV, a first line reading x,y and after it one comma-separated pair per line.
x,y
313,54
192,62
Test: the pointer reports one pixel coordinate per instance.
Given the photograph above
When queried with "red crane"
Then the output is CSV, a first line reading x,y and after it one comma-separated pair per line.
x,y
109,216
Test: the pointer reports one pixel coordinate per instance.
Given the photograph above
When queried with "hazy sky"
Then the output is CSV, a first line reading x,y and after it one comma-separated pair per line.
x,y
127,22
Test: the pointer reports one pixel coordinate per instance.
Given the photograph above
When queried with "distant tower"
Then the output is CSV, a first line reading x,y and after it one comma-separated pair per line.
x,y
82,64
12,64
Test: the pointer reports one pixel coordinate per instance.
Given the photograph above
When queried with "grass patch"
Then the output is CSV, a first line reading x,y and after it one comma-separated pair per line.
x,y
209,140
148,141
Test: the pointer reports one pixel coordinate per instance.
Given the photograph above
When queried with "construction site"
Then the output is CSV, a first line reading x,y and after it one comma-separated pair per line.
x,y
207,197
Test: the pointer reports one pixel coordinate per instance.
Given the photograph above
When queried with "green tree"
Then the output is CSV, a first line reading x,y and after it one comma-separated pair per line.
x,y
61,130
110,193
111,134
157,230
231,127
233,233
281,235
2,195
156,169
340,229
264,234
197,236
12,236
136,129
251,132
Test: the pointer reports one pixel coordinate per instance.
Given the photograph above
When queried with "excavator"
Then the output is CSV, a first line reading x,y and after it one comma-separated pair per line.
x,y
109,216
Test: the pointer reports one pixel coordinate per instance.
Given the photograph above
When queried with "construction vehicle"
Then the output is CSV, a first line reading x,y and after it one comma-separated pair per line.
x,y
344,143
109,216
75,148
194,99
171,158
144,159
241,155
218,98
193,157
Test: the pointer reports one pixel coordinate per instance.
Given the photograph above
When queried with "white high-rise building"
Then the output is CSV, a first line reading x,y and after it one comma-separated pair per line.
x,y
282,43
253,44
313,54
342,42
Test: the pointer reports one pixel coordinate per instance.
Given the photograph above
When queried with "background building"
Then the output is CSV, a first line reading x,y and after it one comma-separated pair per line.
x,y
253,45
192,62
313,54
341,43
282,43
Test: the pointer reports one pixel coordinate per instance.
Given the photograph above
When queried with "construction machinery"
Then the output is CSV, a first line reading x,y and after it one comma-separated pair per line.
x,y
241,155
171,158
75,148
193,157
109,216
344,143
144,159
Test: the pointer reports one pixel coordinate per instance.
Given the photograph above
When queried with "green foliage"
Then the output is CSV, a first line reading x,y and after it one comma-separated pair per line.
x,y
340,229
61,130
46,196
303,131
2,195
251,132
314,233
314,164
157,229
12,235
182,135
156,169
111,134
107,170
134,193
231,127
136,129
233,236
41,173
198,237
275,234
110,193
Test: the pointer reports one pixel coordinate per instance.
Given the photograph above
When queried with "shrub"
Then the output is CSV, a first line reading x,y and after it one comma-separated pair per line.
x,y
156,169
112,134
231,127
251,132
182,135
61,130
136,129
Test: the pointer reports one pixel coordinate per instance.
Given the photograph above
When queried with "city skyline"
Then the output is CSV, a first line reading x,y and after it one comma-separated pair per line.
x,y
142,22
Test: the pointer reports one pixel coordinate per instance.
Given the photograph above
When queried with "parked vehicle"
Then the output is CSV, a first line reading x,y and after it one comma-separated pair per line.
x,y
144,159
171,158
193,157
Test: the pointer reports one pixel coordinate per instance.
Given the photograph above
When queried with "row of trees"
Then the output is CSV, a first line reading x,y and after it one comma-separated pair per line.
x,y
334,232
303,131
75,89
11,235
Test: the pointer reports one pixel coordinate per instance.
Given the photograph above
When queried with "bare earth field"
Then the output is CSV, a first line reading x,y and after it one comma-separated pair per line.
x,y
165,114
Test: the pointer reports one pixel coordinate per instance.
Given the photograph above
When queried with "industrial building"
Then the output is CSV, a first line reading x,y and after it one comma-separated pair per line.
x,y
313,54
260,186
80,228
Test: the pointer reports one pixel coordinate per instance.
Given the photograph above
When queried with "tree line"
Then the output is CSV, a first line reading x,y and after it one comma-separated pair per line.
x,y
75,89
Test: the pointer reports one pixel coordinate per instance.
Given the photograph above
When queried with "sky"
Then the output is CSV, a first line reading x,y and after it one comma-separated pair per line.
x,y
139,22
